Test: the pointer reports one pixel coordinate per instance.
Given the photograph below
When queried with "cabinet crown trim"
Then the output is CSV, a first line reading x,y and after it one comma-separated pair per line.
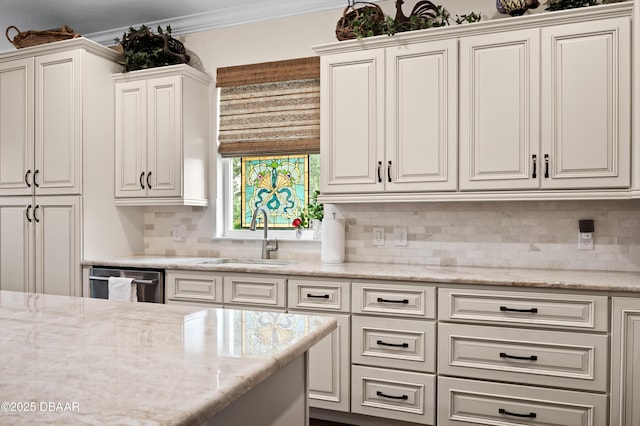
x,y
170,70
538,20
64,46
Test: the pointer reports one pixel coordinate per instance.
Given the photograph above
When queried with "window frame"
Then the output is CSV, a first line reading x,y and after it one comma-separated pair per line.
x,y
224,213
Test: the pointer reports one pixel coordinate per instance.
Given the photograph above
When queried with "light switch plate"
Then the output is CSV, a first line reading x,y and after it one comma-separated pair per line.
x,y
378,236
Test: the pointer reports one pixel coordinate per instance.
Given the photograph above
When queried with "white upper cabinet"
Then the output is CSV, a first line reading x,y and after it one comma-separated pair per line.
x,y
575,134
530,107
352,116
421,120
41,124
58,123
389,119
16,126
162,136
499,86
585,108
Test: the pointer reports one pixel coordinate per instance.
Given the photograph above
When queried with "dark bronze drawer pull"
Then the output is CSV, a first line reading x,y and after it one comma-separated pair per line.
x,y
405,301
395,345
508,413
318,296
527,358
404,397
546,165
531,311
535,163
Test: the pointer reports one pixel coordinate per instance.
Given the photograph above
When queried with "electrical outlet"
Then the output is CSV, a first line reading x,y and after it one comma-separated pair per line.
x,y
378,236
400,234
585,241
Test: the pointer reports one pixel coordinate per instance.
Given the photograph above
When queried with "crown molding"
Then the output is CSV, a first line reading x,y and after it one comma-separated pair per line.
x,y
256,10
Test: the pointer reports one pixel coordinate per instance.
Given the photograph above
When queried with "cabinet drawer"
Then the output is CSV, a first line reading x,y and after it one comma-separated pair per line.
x,y
255,291
192,286
330,295
564,310
410,300
470,402
392,394
394,343
547,358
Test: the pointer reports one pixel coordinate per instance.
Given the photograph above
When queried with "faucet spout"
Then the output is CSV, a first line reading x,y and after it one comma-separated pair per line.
x,y
267,246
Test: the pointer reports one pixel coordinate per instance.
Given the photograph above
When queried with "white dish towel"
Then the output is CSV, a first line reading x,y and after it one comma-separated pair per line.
x,y
123,289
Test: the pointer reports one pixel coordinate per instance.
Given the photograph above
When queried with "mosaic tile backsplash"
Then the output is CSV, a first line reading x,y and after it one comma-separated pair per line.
x,y
527,234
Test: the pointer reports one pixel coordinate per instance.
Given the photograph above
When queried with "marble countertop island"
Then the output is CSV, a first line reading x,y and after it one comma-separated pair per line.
x,y
68,360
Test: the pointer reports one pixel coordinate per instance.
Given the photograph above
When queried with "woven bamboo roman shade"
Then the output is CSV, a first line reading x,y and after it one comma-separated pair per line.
x,y
270,108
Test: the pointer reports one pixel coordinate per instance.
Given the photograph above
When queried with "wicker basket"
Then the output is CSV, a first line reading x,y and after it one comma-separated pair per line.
x,y
34,38
345,25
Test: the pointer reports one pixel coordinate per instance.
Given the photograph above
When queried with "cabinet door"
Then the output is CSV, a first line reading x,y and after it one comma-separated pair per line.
x,y
131,139
58,123
57,245
499,118
586,105
164,142
329,374
16,127
16,243
352,127
625,361
422,106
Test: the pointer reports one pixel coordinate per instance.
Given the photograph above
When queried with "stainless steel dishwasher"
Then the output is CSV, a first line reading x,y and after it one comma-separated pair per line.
x,y
150,282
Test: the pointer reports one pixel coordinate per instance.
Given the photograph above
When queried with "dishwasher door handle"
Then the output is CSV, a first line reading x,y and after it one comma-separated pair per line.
x,y
143,282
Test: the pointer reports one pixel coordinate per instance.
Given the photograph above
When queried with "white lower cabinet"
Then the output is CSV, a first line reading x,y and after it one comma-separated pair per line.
x,y
40,244
193,286
16,243
329,361
401,343
495,346
393,351
493,356
625,361
537,357
258,291
329,368
473,402
393,394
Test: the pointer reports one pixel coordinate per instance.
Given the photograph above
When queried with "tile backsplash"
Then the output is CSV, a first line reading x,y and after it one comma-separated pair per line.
x,y
527,234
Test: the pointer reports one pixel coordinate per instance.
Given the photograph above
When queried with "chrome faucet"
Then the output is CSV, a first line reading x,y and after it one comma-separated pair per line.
x,y
267,246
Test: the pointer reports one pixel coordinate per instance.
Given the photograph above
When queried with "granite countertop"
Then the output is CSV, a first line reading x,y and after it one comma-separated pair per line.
x,y
69,360
513,277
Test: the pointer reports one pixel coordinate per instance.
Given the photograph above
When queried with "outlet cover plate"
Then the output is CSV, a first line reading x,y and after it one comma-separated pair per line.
x,y
400,235
585,241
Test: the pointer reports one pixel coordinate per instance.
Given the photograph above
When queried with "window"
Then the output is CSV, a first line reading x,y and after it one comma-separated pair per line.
x,y
268,136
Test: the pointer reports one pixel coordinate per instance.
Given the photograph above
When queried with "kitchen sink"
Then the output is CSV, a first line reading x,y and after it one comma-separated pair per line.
x,y
244,261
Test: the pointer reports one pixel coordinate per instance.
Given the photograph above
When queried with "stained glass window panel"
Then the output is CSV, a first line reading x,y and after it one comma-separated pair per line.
x,y
280,184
